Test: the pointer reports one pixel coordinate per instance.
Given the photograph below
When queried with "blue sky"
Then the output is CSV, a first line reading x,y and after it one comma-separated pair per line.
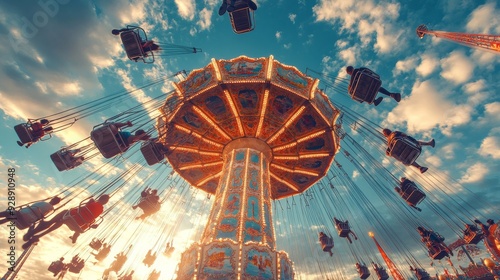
x,y
59,54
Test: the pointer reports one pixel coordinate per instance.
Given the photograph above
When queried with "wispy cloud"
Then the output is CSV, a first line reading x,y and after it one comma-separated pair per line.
x,y
186,8
484,19
475,173
457,67
490,147
364,18
427,108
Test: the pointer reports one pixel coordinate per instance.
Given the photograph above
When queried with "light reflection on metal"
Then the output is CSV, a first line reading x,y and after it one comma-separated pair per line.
x,y
200,165
192,150
211,122
284,182
197,135
216,69
262,112
287,124
235,111
299,171
313,89
202,182
311,136
269,68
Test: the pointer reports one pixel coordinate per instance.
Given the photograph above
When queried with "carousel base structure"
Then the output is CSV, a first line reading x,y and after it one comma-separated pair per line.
x,y
221,260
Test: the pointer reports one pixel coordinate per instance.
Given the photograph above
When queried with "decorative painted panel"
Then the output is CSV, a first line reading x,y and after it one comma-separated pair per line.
x,y
243,68
285,267
197,82
188,262
323,106
259,263
219,261
291,79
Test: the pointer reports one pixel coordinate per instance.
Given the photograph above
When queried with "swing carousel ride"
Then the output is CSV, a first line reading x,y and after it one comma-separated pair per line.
x,y
247,169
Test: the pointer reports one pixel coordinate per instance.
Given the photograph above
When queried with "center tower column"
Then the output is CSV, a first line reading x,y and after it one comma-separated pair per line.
x,y
243,212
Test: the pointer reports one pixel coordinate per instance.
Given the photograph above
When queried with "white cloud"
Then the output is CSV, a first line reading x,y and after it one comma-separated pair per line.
x,y
278,35
457,67
475,173
434,161
292,17
205,19
490,147
485,58
427,65
364,18
493,110
484,19
342,44
475,91
405,65
349,55
287,46
186,8
448,151
475,86
427,108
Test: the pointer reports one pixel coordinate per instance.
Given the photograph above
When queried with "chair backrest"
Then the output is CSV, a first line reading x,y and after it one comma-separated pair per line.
x,y
364,272
365,86
79,219
416,197
151,153
23,133
404,150
56,267
242,20
132,44
95,244
60,161
76,267
150,204
106,141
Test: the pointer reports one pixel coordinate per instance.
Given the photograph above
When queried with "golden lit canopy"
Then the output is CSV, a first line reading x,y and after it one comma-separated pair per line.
x,y
254,98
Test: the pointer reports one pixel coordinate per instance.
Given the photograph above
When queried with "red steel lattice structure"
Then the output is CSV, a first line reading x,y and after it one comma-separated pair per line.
x,y
482,41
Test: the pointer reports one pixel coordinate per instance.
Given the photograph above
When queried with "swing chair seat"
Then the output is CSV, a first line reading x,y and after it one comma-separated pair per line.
x,y
76,268
473,238
95,244
342,229
404,150
154,276
242,18
365,86
62,160
149,261
132,42
149,205
56,267
79,219
168,251
437,252
413,195
107,142
422,275
327,246
102,255
382,274
151,153
23,131
21,223
363,272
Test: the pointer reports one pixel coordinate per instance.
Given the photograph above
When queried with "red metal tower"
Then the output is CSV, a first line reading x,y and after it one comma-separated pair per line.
x,y
483,41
